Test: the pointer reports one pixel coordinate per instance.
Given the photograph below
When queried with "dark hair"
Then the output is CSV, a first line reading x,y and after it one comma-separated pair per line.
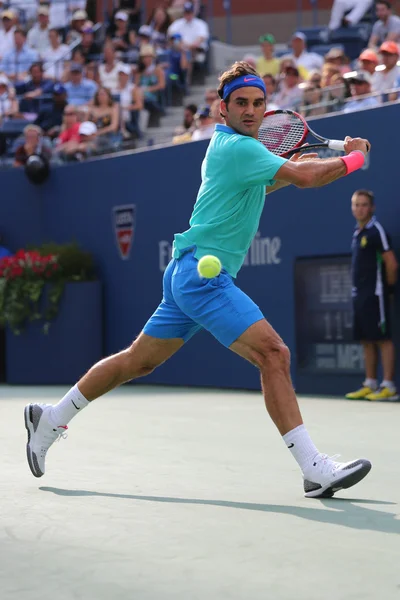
x,y
36,64
20,30
238,69
367,193
75,51
271,77
109,94
167,22
385,2
192,108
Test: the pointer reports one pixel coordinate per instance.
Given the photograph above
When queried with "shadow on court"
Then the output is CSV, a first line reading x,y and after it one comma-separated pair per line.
x,y
347,513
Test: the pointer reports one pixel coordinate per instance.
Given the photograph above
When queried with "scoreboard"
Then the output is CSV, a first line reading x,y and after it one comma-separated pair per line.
x,y
323,305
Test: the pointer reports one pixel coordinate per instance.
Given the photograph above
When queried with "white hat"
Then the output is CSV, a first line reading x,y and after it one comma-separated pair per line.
x,y
299,35
87,128
79,15
122,68
145,30
3,80
121,15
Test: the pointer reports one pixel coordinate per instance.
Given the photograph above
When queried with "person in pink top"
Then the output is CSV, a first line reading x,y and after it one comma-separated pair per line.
x,y
70,130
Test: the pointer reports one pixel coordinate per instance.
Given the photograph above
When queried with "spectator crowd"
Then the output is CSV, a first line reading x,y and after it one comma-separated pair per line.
x,y
315,83
72,88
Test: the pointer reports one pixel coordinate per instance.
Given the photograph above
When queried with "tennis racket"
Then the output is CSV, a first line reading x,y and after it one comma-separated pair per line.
x,y
283,132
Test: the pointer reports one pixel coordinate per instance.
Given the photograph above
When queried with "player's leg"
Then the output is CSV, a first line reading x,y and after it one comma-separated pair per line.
x,y
359,9
378,322
383,337
370,360
364,319
388,357
140,359
165,332
338,11
387,390
263,347
221,308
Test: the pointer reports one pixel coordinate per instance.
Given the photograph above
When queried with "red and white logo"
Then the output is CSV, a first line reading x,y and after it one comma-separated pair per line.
x,y
124,221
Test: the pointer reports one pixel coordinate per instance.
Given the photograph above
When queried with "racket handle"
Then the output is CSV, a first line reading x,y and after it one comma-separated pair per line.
x,y
336,145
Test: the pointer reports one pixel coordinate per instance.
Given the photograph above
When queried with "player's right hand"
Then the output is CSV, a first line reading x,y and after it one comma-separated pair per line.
x,y
352,144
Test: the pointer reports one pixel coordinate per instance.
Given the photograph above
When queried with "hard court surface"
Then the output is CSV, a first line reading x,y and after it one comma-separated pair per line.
x,y
178,494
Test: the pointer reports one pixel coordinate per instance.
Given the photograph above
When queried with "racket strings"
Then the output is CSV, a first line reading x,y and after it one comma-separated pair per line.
x,y
280,133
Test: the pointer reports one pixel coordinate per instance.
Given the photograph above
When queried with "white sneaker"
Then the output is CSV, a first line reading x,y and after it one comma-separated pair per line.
x,y
41,435
325,476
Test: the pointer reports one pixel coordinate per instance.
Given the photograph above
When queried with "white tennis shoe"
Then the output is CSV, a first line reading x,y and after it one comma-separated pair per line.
x,y
325,476
41,435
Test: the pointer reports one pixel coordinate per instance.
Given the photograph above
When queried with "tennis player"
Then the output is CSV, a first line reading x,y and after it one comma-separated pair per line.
x,y
236,173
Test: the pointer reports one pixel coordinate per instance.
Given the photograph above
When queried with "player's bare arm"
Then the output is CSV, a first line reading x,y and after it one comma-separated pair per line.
x,y
317,173
295,158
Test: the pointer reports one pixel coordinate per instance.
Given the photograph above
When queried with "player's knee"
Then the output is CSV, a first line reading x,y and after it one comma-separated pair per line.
x,y
275,356
144,370
135,366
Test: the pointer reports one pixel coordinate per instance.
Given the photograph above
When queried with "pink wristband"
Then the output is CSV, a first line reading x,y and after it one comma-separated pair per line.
x,y
353,161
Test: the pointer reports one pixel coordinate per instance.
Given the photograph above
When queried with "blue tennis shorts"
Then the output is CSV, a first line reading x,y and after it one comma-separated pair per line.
x,y
191,302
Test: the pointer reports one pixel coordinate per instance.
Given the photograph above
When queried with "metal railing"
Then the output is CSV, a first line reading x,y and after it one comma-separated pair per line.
x,y
334,105
301,6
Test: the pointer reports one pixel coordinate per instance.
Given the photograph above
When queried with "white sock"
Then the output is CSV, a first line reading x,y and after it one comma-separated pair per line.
x,y
371,383
68,407
389,384
301,446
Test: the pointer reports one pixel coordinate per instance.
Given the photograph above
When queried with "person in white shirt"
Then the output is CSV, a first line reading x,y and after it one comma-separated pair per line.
x,y
360,85
38,35
289,95
60,14
206,125
301,58
130,100
195,33
270,88
108,70
78,21
388,77
355,10
55,56
7,32
26,9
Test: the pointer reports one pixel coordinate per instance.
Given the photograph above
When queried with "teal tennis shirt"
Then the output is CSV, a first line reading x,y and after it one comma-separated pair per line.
x,y
235,171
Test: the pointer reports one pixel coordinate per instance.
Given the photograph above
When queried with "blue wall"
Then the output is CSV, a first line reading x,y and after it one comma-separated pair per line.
x,y
77,203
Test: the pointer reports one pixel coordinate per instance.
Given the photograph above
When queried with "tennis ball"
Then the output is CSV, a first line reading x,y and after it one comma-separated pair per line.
x,y
209,266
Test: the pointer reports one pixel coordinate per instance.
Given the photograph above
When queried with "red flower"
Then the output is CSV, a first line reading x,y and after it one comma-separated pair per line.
x,y
28,264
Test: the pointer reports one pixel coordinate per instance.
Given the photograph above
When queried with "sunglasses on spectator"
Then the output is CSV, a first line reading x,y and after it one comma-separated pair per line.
x,y
69,112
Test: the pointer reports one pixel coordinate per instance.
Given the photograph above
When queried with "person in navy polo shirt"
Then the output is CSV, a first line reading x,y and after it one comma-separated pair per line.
x,y
374,274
